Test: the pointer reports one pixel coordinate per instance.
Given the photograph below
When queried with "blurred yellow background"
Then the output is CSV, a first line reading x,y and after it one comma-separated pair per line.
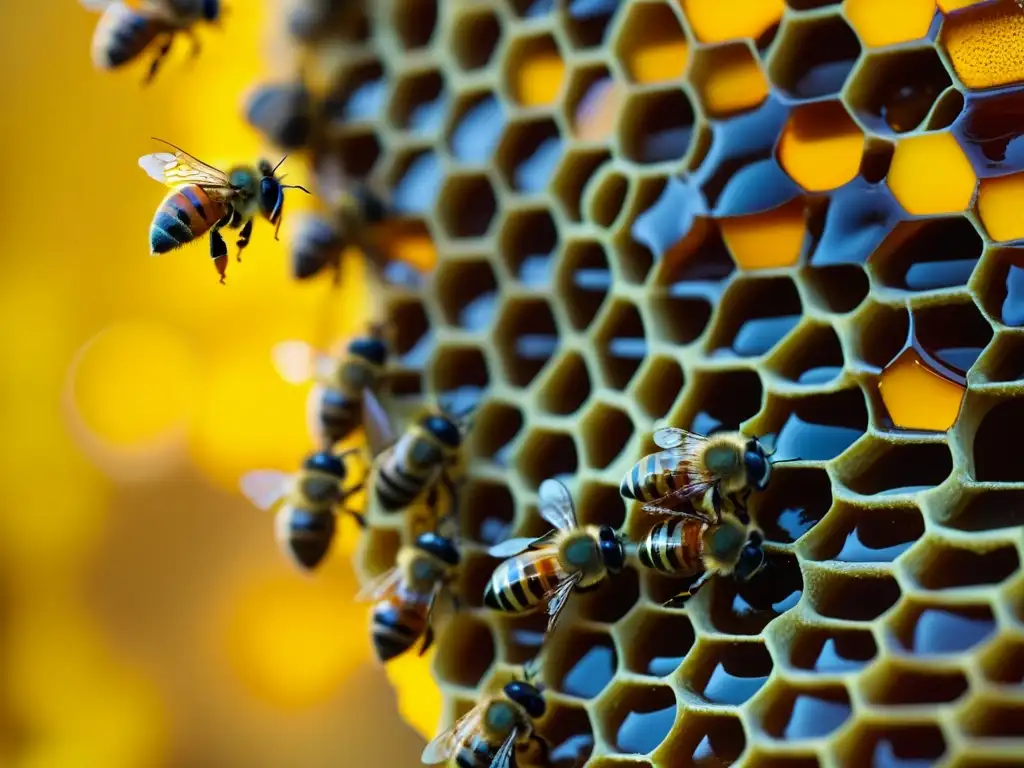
x,y
146,616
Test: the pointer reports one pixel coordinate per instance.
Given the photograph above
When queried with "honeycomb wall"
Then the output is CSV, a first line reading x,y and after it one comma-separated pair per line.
x,y
794,218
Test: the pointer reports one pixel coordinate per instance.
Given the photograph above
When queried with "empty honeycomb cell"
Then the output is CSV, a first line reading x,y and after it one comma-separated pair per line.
x,y
359,153
947,109
923,629
545,454
762,312
656,126
893,92
475,36
495,427
729,79
534,71
586,22
930,174
696,267
419,102
634,261
899,469
994,719
882,334
953,334
986,510
894,684
358,94
1001,287
569,734
411,330
996,207
854,596
600,504
415,179
1003,662
771,239
583,281
859,217
795,501
874,164
467,652
528,153
606,430
468,292
605,196
893,744
704,740
612,599
1002,360
658,385
581,664
747,608
793,713
998,429
521,637
821,146
567,386
989,130
656,642
487,511
414,22
838,289
980,41
729,673
475,127
637,718
527,242
726,397
681,313
593,102
813,358
812,56
572,177
880,23
928,254
459,376
857,535
621,344
717,21
818,427
651,44
832,651
467,206
945,566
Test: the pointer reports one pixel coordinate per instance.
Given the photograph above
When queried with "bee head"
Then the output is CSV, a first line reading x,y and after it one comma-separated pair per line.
x,y
438,546
751,558
211,10
325,461
726,540
756,464
370,349
443,428
271,193
526,696
613,553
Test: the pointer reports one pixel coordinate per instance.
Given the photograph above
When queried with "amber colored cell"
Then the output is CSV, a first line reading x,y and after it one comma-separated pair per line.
x,y
653,47
538,77
595,115
410,244
715,21
886,22
931,174
918,397
731,81
821,146
984,44
999,206
766,240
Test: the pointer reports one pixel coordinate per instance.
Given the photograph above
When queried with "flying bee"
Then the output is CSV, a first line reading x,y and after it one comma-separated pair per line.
x,y
693,544
697,468
405,595
305,522
549,568
128,28
206,199
490,734
336,403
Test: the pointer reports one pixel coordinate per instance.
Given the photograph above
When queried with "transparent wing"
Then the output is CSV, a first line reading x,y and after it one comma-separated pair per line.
x,y
376,424
673,437
99,5
294,361
503,757
264,487
180,168
379,586
559,598
692,490
511,547
556,505
444,744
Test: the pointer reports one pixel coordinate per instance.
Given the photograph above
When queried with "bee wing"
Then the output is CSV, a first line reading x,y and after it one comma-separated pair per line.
x,y
673,437
180,168
559,599
294,361
694,489
503,757
379,586
556,505
376,424
511,547
264,487
445,743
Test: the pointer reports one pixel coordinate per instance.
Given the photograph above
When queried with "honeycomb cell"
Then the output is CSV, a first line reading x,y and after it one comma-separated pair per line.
x,y
658,385
837,289
582,664
583,281
821,146
882,334
930,174
946,566
593,102
358,95
717,21
795,501
704,739
994,719
601,504
818,427
475,127
879,23
899,469
893,92
656,126
637,718
854,596
621,344
651,44
996,198
467,653
762,312
489,511
928,254
832,651
567,387
587,21
459,376
534,71
857,535
569,734
812,56
746,609
656,642
1003,662
917,396
923,629
813,358
467,206
526,337
412,334
546,454
988,129
496,426
606,430
986,510
613,599
527,243
726,398
729,79
979,42
794,713
528,154
414,21
573,176
998,429
896,684
475,37
468,292
521,637
729,673
894,744
605,197
419,102
415,179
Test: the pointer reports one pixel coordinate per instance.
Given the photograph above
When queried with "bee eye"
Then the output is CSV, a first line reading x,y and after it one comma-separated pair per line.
x,y
756,467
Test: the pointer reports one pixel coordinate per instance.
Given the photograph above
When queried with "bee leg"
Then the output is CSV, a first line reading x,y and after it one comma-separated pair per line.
x,y
428,636
161,54
219,249
243,238
428,640
357,516
679,600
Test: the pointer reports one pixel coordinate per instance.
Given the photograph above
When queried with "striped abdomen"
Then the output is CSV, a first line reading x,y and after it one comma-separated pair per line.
x,y
305,535
185,214
398,621
122,34
522,582
653,477
339,414
474,752
400,478
673,546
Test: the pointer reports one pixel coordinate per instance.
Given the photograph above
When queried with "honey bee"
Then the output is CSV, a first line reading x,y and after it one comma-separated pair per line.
x,y
697,468
206,199
320,240
336,403
128,27
305,523
549,568
405,595
693,544
490,734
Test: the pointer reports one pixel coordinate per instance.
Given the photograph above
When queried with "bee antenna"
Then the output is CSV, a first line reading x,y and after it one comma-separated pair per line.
x,y
786,461
279,163
296,186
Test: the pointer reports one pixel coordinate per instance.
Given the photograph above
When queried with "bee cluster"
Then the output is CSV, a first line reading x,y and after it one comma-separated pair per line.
x,y
780,226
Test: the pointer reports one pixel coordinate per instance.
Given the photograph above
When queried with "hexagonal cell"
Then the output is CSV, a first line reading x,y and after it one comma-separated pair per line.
x,y
658,386
527,242
413,338
637,718
821,147
419,102
918,392
567,386
877,28
994,719
945,566
895,91
600,504
496,426
947,109
857,535
488,511
794,713
621,344
725,399
681,313
476,125
986,510
881,333
729,79
705,739
988,131
812,56
611,599
926,255
605,196
818,427
998,429
583,281
657,125
854,596
839,289
593,102
459,378
587,21
904,469
795,501
573,176
526,337
466,653
581,664
569,734
359,152
859,217
468,292
893,744
1001,292
415,180
729,673
651,43
467,206
657,643
747,608
521,636
546,454
930,174
813,357
895,684
1003,360
534,70
954,333
788,760
414,21
475,36
756,315
357,95
528,154
606,430
1003,662
923,629
832,651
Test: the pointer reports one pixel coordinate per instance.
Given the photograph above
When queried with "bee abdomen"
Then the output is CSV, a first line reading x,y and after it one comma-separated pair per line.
x,y
515,587
668,548
475,752
395,486
121,35
306,535
339,415
395,629
184,215
649,479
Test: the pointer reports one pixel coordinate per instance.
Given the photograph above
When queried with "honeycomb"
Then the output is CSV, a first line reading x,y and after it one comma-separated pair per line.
x,y
794,218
